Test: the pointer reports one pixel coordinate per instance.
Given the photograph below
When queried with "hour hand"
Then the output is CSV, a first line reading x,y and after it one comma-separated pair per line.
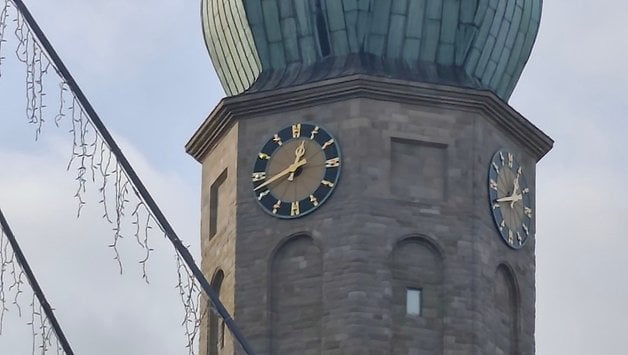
x,y
516,185
299,153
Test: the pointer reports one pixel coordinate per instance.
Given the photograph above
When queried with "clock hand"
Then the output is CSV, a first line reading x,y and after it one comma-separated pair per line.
x,y
291,169
299,153
505,199
514,192
512,199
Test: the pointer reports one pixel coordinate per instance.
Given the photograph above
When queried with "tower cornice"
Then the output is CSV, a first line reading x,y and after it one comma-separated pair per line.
x,y
244,106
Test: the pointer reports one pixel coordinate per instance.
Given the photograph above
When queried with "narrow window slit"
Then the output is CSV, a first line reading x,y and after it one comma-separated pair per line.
x,y
214,203
413,301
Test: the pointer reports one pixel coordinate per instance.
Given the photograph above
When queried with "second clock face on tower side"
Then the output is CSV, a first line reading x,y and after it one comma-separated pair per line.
x,y
296,170
509,199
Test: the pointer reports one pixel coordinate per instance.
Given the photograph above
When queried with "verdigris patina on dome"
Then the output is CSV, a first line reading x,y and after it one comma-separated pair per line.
x,y
264,44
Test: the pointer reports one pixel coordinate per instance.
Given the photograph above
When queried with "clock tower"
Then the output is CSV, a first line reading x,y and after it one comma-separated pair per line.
x,y
366,188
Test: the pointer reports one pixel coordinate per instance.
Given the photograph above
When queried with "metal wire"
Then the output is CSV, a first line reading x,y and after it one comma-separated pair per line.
x,y
43,321
97,159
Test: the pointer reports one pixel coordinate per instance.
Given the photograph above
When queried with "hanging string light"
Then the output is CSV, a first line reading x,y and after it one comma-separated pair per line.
x,y
98,162
15,272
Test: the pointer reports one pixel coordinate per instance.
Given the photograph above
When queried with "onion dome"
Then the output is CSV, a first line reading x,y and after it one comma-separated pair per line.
x,y
258,45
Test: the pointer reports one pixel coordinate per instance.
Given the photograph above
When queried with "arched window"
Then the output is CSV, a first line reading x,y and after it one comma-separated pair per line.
x,y
296,297
216,332
507,311
417,300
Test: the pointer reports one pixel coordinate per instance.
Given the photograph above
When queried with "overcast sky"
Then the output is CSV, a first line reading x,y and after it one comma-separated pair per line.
x,y
144,66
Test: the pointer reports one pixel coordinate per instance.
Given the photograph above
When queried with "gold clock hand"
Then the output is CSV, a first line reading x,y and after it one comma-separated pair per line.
x,y
291,169
505,199
299,153
512,199
514,192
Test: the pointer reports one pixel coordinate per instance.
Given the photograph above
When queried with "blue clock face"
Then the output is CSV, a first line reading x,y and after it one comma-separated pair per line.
x,y
509,199
296,171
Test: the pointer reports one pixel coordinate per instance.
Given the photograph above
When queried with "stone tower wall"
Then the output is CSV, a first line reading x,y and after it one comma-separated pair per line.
x,y
412,196
218,235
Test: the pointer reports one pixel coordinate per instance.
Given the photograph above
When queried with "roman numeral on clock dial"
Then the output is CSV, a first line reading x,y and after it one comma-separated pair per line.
x,y
510,199
296,170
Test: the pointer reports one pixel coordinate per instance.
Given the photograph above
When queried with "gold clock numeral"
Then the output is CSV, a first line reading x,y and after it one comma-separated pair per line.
x,y
496,168
327,183
332,163
296,130
295,210
263,194
276,207
519,238
493,184
259,176
292,160
508,198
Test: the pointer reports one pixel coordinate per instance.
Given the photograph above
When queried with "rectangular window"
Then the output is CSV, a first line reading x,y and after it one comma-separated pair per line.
x,y
413,301
214,203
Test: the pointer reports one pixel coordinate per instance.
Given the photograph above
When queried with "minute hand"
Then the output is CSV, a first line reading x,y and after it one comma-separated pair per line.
x,y
292,168
513,198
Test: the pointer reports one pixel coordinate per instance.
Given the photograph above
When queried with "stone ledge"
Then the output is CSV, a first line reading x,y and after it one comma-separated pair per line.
x,y
246,106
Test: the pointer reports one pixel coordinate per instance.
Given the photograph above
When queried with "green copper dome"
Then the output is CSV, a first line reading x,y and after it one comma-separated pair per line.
x,y
264,44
